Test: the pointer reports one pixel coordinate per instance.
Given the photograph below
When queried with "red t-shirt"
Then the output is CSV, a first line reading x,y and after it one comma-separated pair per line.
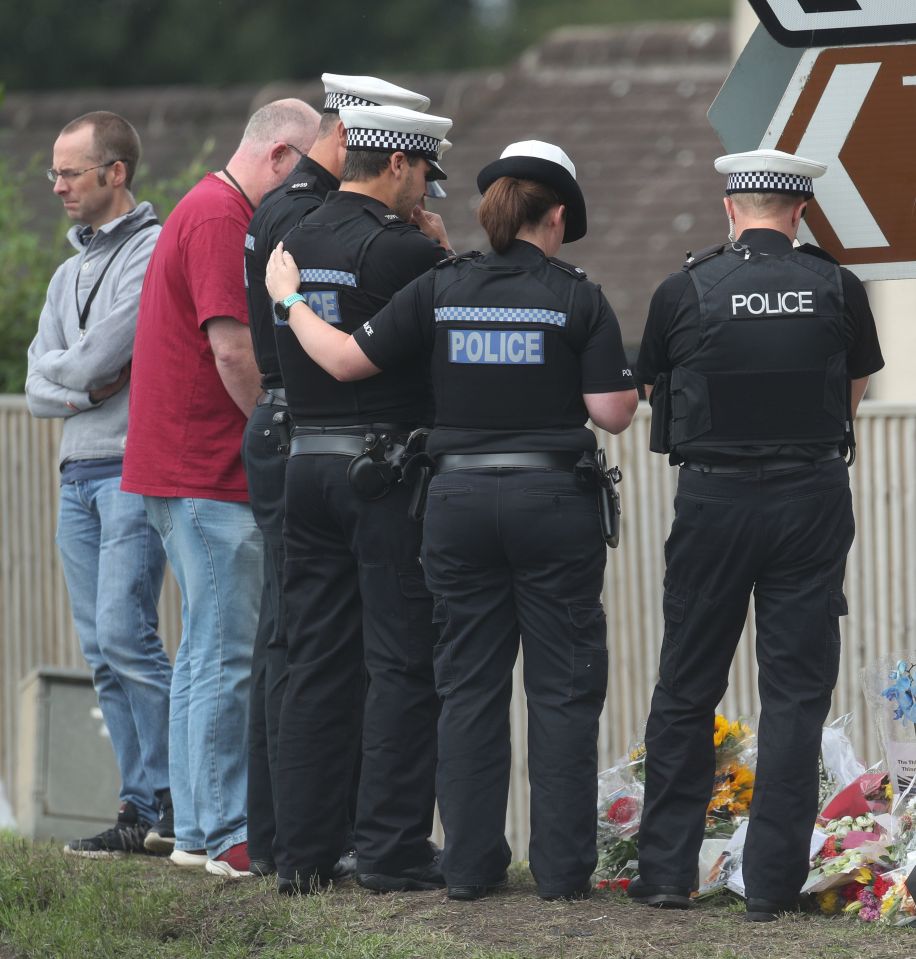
x,y
184,431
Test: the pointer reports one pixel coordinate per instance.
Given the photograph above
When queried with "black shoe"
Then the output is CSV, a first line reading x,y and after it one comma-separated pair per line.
x,y
469,893
662,897
412,879
261,867
768,910
345,867
573,895
161,835
126,836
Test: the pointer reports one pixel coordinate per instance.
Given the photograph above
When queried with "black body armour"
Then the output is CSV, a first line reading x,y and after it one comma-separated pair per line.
x,y
770,364
506,351
304,190
330,256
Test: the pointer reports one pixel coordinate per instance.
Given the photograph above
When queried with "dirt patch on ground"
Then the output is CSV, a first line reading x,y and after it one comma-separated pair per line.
x,y
517,923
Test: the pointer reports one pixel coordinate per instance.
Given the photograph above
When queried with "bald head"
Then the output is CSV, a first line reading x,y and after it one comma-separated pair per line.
x,y
288,121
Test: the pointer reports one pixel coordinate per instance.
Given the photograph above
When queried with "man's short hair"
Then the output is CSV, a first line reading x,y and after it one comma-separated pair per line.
x,y
280,119
368,164
113,138
765,204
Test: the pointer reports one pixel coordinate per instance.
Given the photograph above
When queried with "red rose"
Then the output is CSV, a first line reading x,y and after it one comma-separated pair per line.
x,y
623,811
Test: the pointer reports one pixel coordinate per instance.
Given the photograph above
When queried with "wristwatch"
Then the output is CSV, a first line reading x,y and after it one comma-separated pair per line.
x,y
281,307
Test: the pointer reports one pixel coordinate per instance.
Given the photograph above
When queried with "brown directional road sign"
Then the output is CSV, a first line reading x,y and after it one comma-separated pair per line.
x,y
856,111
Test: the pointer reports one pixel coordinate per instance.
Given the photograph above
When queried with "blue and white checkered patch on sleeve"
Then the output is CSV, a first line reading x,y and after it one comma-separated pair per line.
x,y
498,314
327,276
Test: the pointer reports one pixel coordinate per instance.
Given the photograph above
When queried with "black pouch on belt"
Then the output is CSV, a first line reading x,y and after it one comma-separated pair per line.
x,y
608,499
282,430
370,475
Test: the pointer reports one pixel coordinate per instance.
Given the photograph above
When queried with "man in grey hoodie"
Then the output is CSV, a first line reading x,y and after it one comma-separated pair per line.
x,y
113,561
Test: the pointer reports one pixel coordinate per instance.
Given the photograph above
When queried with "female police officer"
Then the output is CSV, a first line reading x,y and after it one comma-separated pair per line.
x,y
523,349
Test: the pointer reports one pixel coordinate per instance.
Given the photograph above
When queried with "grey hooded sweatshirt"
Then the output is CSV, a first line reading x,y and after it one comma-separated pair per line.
x,y
63,366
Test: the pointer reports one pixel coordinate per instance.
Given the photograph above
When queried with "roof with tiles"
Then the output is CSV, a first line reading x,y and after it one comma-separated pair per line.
x,y
628,104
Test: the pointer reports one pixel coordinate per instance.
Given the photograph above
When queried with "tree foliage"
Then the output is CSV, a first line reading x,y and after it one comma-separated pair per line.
x,y
52,44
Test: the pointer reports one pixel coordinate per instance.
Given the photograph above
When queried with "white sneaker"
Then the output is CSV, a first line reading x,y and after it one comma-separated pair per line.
x,y
219,867
188,860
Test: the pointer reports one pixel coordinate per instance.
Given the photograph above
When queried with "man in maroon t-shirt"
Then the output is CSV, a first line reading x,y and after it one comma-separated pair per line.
x,y
194,383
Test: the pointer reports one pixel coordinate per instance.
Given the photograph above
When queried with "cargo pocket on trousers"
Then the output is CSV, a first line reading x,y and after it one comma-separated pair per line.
x,y
589,652
417,604
442,654
836,607
675,611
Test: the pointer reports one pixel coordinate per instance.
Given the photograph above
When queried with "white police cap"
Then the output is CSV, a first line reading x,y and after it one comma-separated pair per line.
x,y
343,91
769,171
544,163
390,128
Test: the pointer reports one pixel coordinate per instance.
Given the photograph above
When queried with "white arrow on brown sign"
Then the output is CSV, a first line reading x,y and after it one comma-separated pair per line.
x,y
853,108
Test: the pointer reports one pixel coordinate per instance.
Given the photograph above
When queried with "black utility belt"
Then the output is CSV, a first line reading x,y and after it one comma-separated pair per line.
x,y
318,443
587,467
767,465
518,461
380,453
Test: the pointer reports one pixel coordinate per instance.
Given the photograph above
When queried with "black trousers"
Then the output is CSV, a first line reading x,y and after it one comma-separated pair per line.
x,y
511,553
265,468
356,605
783,536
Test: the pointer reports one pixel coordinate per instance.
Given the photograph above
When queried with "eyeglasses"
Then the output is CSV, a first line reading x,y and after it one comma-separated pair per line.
x,y
53,174
296,149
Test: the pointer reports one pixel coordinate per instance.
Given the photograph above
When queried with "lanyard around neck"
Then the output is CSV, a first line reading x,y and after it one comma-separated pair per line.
x,y
84,311
238,187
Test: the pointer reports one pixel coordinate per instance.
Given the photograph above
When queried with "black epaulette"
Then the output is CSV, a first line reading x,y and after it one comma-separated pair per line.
x,y
385,216
301,186
575,271
457,258
813,250
705,254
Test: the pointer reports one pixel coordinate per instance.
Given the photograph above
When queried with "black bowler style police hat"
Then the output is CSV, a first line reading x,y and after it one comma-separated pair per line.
x,y
544,163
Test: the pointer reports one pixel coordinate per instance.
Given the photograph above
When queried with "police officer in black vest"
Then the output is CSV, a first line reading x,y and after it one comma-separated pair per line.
x,y
757,355
354,589
523,350
266,439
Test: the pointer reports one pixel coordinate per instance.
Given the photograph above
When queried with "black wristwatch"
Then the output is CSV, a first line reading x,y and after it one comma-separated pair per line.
x,y
281,307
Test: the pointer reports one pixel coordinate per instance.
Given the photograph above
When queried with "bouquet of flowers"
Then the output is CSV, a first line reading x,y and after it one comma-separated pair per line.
x,y
621,790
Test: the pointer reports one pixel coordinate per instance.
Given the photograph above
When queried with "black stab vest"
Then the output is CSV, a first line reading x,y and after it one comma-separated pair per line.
x,y
506,348
330,257
770,364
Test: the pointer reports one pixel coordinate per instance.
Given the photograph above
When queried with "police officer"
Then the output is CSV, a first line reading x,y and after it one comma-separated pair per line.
x,y
266,438
756,355
354,589
523,350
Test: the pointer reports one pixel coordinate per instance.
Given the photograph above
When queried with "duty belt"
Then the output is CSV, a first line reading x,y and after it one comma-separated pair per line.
x,y
472,461
343,440
767,465
273,398
327,443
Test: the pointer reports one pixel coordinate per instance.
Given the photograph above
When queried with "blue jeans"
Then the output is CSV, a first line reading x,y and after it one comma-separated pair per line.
x,y
216,552
113,563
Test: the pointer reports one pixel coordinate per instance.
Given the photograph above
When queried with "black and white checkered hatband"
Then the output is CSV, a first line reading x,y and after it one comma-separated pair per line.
x,y
334,101
388,141
766,182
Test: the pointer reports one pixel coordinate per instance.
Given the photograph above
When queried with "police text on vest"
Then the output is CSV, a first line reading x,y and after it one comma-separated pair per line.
x,y
773,303
496,346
